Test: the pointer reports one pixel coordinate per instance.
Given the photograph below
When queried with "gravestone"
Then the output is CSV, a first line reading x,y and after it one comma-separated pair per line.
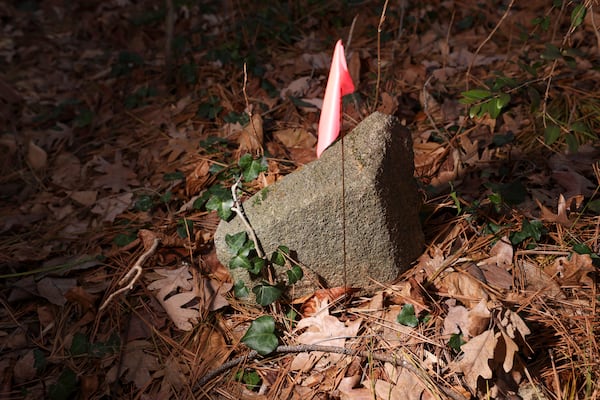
x,y
303,211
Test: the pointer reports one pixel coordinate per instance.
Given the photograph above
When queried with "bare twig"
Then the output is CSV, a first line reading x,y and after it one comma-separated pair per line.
x,y
379,27
350,33
487,39
396,360
132,275
239,210
169,25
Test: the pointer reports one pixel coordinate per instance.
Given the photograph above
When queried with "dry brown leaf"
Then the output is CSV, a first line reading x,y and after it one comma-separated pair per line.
x,y
495,267
251,138
389,104
173,279
117,177
510,349
24,369
36,156
54,289
456,321
198,178
535,280
465,288
322,329
295,137
109,208
85,197
66,171
429,262
573,271
349,391
137,364
476,354
177,146
213,294
80,296
479,318
312,303
402,385
296,88
561,216
513,323
183,317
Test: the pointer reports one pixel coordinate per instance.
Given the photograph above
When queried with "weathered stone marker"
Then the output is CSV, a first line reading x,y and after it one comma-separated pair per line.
x,y
304,212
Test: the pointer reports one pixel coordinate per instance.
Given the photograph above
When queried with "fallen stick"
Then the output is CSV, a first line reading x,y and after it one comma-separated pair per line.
x,y
133,274
304,348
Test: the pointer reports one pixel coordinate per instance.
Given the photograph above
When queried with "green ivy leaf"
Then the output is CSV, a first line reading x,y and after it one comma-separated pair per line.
x,y
64,388
185,226
251,167
577,15
266,294
123,239
551,52
407,316
474,96
551,134
240,290
39,360
222,205
261,335
572,143
456,341
240,261
256,266
102,349
79,345
530,229
294,274
144,203
475,111
278,258
250,377
594,206
236,241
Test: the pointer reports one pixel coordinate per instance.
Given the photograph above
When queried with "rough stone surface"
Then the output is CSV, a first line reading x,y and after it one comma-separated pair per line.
x,y
304,212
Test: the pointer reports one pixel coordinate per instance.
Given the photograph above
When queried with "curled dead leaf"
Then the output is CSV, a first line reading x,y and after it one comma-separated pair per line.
x,y
476,355
251,138
465,288
572,271
36,156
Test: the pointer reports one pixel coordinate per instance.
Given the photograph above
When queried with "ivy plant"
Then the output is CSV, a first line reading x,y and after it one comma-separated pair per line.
x,y
261,335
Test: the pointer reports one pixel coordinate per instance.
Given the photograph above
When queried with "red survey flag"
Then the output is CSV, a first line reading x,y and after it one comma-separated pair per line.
x,y
339,84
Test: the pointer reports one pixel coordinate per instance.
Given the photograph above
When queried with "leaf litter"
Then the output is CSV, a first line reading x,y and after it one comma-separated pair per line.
x,y
101,147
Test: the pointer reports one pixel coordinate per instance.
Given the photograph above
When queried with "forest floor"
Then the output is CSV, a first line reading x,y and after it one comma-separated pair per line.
x,y
117,157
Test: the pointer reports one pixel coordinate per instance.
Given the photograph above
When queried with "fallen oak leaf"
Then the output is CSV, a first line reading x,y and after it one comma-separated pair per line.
x,y
510,349
476,354
138,364
572,271
173,279
182,317
322,329
117,177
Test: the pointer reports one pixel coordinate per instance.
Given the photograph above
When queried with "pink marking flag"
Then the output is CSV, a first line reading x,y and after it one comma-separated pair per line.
x,y
339,84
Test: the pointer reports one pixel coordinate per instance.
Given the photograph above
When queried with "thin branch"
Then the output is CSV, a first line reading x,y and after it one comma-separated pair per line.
x,y
397,361
487,39
379,27
169,25
132,275
239,210
350,33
